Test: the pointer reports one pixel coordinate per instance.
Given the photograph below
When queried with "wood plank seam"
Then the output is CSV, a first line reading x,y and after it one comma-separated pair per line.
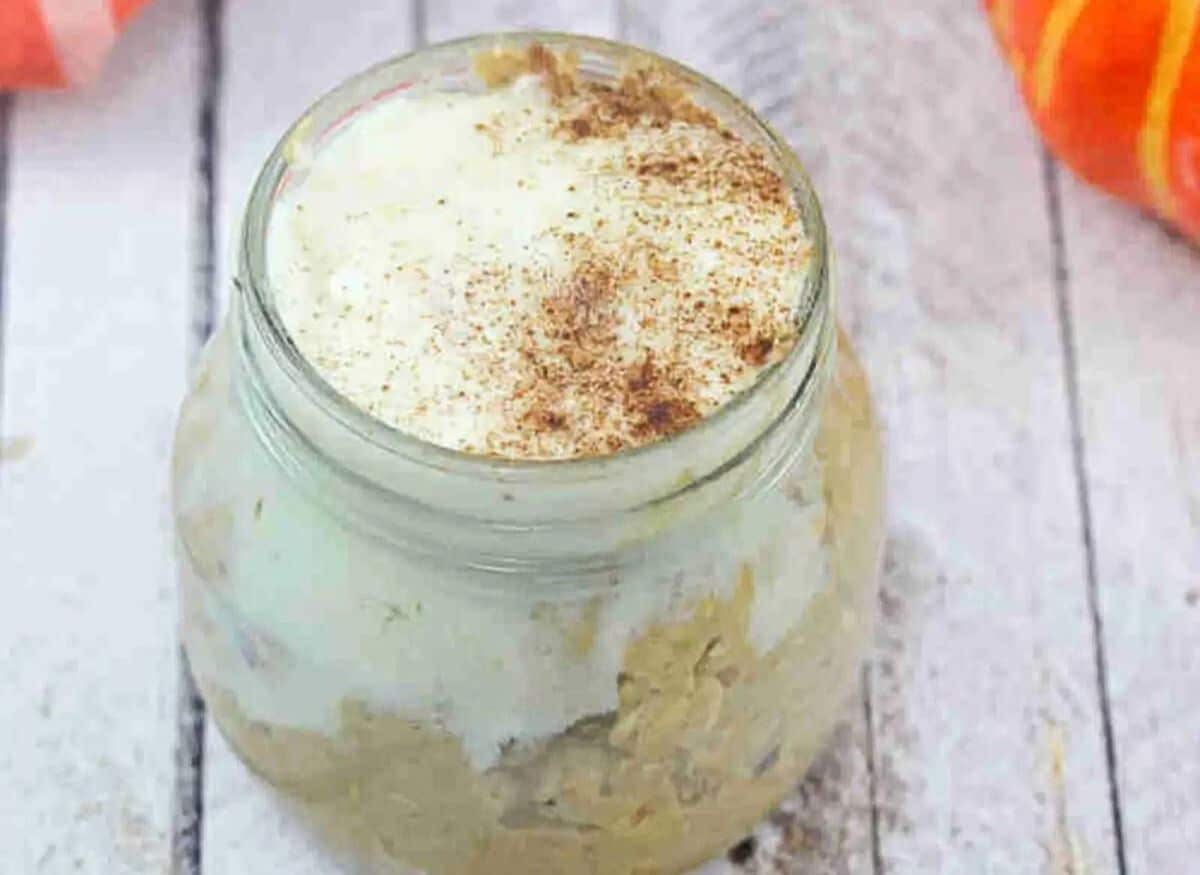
x,y
420,24
188,799
1083,495
204,298
872,778
187,814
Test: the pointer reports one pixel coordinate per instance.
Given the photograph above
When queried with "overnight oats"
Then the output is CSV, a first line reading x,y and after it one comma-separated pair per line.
x,y
529,511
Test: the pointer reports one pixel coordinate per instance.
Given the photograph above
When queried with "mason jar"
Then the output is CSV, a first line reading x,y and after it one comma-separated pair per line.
x,y
466,664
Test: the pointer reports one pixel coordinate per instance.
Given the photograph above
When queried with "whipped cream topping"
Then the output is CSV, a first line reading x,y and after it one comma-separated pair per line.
x,y
546,269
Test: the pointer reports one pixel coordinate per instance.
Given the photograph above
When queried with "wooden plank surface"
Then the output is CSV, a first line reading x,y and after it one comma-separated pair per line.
x,y
752,48
947,285
447,19
1134,296
95,292
1019,329
273,66
989,739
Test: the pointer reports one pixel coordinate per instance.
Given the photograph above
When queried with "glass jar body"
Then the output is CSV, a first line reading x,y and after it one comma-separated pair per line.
x,y
459,718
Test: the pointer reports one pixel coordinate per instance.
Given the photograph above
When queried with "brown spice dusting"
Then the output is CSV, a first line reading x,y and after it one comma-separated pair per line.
x,y
545,420
644,96
663,418
557,71
757,351
572,361
661,295
578,384
736,171
658,396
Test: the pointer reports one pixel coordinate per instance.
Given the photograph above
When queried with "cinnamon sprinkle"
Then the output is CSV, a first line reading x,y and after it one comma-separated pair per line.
x,y
677,266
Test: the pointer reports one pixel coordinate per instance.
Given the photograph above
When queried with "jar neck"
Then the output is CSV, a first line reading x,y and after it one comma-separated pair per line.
x,y
505,515
499,515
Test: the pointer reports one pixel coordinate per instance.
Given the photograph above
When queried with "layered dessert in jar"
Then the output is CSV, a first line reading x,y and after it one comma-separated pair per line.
x,y
529,511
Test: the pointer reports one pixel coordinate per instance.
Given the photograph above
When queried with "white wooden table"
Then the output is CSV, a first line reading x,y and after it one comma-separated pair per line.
x,y
1034,702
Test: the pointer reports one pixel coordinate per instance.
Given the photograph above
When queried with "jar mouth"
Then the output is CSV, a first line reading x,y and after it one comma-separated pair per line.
x,y
784,378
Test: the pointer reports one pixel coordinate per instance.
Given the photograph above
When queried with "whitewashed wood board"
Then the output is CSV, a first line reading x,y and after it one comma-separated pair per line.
x,y
752,48
95,293
988,726
1019,329
272,67
448,19
1134,293
986,638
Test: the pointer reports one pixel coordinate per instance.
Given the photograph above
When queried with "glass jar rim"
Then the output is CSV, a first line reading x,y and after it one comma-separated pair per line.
x,y
382,80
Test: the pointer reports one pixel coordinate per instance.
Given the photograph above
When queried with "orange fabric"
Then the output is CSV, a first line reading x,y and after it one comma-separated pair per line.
x,y
1185,143
27,57
123,9
1105,67
1096,111
1028,19
1018,26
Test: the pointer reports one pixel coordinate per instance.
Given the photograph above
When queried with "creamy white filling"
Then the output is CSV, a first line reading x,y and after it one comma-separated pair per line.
x,y
411,257
413,254
311,614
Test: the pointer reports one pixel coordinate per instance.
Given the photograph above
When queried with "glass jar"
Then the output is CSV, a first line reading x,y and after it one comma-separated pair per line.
x,y
470,665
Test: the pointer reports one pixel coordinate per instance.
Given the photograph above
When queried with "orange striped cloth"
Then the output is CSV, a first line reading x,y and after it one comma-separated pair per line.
x,y
56,43
1114,88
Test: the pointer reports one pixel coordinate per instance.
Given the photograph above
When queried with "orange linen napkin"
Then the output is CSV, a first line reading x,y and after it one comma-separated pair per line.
x,y
56,43
1114,88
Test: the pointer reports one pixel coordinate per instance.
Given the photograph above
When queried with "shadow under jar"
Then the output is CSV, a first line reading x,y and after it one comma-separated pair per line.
x,y
467,664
